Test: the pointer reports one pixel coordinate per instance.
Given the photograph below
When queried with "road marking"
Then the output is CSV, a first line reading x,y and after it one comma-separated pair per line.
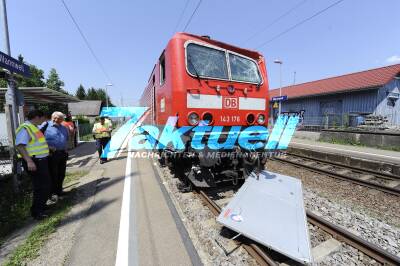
x,y
360,152
125,225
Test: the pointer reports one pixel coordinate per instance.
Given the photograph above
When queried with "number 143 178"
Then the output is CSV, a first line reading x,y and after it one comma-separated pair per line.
x,y
230,118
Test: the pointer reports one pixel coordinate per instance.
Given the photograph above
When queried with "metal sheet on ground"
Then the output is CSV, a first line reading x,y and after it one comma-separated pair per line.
x,y
269,209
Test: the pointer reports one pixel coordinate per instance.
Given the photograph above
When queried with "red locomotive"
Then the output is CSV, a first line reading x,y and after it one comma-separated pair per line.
x,y
200,79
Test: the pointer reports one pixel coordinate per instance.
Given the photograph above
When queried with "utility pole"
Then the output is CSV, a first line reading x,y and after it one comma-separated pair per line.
x,y
11,90
294,78
280,62
109,84
11,103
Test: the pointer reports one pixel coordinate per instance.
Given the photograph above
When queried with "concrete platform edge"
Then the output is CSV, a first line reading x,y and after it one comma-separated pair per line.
x,y
187,241
348,160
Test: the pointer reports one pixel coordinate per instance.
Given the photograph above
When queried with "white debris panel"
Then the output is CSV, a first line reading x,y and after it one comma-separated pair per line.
x,y
269,209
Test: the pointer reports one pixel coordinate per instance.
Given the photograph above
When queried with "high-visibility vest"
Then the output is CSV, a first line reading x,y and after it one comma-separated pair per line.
x,y
37,144
98,127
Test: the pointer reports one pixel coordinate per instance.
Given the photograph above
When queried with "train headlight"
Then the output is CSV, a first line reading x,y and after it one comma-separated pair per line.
x,y
261,119
193,119
250,119
207,118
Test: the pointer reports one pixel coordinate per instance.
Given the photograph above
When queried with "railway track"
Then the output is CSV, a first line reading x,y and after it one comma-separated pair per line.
x,y
263,258
385,182
253,249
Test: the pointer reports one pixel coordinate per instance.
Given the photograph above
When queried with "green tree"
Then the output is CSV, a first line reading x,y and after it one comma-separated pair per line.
x,y
35,80
81,93
99,95
102,96
54,82
92,94
3,83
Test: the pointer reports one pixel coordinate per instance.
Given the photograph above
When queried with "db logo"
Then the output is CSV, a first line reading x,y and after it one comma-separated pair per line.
x,y
230,103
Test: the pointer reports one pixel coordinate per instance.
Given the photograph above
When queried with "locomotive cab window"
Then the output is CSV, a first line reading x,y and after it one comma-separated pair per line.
x,y
202,61
207,62
162,69
243,69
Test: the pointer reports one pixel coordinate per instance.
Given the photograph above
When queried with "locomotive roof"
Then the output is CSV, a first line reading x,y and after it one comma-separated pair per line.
x,y
187,36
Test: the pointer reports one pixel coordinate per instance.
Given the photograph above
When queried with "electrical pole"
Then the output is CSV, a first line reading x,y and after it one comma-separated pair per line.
x,y
280,62
11,103
109,84
294,78
11,90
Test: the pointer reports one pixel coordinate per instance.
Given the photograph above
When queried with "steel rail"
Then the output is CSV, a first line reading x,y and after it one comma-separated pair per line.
x,y
366,183
253,249
353,240
363,170
373,251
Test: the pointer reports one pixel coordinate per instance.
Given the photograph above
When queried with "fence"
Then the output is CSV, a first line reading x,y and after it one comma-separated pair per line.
x,y
351,121
85,131
5,162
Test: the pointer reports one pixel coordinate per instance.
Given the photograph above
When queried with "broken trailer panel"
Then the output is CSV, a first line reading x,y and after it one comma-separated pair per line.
x,y
269,209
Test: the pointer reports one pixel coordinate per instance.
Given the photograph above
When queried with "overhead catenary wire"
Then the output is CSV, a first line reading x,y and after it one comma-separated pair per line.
x,y
275,21
297,25
101,66
191,16
181,16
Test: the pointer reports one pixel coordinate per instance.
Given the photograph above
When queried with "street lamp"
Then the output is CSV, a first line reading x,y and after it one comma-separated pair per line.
x,y
280,82
109,84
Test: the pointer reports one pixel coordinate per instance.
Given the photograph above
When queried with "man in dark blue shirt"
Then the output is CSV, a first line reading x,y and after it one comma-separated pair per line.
x,y
57,139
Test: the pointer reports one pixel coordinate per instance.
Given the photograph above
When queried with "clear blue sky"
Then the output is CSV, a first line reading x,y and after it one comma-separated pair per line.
x,y
128,36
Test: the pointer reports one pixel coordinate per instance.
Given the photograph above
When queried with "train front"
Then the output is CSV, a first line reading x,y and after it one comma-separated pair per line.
x,y
221,90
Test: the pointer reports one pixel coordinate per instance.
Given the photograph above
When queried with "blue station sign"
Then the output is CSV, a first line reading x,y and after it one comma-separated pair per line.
x,y
279,98
14,65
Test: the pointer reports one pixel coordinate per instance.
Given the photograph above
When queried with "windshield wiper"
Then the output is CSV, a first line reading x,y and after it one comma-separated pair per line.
x,y
194,68
259,84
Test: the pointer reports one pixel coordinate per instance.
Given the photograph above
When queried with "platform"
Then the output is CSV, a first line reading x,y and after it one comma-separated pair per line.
x,y
364,157
132,221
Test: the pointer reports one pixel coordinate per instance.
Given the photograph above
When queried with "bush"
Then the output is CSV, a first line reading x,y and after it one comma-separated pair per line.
x,y
14,209
82,119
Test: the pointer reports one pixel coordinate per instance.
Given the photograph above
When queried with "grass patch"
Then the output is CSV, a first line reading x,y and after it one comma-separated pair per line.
x,y
342,141
355,143
390,148
88,137
70,177
31,247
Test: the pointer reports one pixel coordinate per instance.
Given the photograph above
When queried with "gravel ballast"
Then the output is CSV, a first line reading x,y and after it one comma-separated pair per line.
x,y
334,207
368,213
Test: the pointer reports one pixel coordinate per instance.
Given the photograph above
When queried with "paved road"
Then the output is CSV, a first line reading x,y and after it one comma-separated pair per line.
x,y
131,222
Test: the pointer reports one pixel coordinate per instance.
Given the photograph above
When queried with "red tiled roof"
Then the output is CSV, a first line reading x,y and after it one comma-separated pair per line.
x,y
354,81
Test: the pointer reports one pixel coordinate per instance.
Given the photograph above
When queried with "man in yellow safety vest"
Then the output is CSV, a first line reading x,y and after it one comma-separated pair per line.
x,y
33,149
102,134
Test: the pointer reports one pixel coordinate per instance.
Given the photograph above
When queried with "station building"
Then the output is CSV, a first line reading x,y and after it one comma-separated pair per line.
x,y
347,100
89,109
